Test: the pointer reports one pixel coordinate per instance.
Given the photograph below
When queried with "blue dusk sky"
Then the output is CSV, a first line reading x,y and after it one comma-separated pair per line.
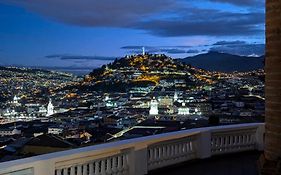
x,y
89,33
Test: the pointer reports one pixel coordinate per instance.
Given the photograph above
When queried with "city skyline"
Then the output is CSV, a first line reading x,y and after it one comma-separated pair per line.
x,y
92,33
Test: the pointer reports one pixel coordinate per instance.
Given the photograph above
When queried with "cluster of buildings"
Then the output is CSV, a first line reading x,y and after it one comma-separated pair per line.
x,y
129,98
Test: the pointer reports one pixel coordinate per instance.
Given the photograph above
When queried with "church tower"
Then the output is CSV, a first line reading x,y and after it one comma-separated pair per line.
x,y
50,108
153,107
176,97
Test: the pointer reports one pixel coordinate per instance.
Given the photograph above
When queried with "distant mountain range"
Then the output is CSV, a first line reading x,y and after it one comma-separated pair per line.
x,y
223,62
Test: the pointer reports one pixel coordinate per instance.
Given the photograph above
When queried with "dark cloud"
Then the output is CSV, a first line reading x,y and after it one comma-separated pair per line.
x,y
252,3
173,51
161,49
77,57
219,43
110,13
208,23
157,17
231,47
137,47
241,49
192,51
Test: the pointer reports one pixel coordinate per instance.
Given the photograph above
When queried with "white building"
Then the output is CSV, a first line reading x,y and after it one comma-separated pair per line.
x,y
16,100
50,108
9,132
55,130
10,113
153,107
42,110
183,110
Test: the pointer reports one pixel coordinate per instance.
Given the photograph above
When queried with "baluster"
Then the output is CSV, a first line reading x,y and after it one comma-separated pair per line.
x,y
226,143
160,155
150,155
79,170
247,139
65,171
114,164
191,146
155,156
220,145
252,139
102,167
231,140
108,166
176,150
91,169
164,150
219,142
188,148
97,168
85,169
125,161
172,151
119,164
72,170
239,140
223,142
168,153
58,172
243,139
235,140
213,142
184,145
180,151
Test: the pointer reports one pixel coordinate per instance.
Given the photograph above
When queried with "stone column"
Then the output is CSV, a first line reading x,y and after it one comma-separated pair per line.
x,y
272,154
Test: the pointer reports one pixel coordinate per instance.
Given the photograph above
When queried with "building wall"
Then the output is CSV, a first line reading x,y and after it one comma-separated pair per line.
x,y
273,80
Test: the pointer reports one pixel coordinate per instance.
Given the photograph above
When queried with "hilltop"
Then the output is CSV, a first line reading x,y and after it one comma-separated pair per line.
x,y
140,71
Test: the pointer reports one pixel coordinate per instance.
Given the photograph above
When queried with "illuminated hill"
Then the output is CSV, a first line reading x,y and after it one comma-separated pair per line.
x,y
142,71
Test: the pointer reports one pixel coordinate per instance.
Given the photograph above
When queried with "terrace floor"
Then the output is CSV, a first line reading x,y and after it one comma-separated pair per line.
x,y
232,164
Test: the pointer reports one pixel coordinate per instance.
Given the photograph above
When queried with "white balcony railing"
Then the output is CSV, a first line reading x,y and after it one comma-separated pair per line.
x,y
140,155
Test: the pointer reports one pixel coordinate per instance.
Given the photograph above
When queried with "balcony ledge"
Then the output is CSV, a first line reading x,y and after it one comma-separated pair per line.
x,y
154,152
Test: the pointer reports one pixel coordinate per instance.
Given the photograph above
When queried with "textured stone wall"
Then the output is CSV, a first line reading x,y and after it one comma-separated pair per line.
x,y
273,80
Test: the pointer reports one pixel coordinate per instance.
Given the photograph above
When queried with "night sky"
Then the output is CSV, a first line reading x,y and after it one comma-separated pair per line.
x,y
88,33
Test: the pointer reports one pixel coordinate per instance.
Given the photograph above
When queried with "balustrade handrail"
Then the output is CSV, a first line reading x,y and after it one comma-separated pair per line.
x,y
206,142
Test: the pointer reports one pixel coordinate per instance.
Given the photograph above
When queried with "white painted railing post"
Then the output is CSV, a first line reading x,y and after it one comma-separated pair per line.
x,y
204,144
46,167
138,161
260,137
